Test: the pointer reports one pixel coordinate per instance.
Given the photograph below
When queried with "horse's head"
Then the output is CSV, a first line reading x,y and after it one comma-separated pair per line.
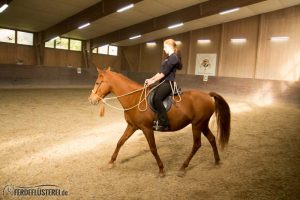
x,y
101,87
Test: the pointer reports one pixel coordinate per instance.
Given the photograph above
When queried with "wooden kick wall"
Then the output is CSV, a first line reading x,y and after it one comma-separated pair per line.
x,y
238,60
10,53
258,58
279,60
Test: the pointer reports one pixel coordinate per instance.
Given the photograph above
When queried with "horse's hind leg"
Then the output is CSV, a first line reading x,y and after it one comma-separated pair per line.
x,y
196,146
212,140
128,132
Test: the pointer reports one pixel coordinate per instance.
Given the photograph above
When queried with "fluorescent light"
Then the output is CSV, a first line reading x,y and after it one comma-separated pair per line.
x,y
135,37
151,43
3,7
279,39
238,40
175,25
178,42
125,8
84,25
204,41
57,37
229,11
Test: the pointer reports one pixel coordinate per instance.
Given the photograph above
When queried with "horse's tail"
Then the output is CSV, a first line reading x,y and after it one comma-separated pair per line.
x,y
222,111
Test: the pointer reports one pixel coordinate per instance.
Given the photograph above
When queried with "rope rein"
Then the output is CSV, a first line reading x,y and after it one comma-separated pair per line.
x,y
141,99
175,90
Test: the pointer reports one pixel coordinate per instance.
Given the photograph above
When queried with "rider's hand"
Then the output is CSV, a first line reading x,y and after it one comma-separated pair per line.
x,y
149,81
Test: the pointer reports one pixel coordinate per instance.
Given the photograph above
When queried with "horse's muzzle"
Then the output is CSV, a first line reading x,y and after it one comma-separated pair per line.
x,y
94,101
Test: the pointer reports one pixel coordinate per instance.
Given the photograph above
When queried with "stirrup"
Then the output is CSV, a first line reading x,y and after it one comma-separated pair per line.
x,y
158,127
161,128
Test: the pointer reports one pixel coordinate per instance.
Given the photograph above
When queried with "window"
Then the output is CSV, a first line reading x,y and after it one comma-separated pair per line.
x,y
49,44
113,50
62,43
75,45
24,38
7,35
103,49
95,50
107,50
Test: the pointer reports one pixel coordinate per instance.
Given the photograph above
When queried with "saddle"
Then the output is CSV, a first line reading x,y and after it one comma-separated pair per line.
x,y
167,101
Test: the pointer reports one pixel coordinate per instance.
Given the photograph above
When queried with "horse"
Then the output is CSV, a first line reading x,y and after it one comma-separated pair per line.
x,y
196,108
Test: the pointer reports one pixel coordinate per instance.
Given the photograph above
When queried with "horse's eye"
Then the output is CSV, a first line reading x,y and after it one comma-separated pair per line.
x,y
97,83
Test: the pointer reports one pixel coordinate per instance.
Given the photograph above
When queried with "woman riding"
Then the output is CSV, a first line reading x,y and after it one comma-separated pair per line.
x,y
167,74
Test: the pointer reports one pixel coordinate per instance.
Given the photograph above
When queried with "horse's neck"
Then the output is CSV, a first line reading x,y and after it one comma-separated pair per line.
x,y
122,89
124,86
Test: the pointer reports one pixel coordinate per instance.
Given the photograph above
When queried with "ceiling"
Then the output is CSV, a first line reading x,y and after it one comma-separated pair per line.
x,y
142,11
247,11
38,15
42,15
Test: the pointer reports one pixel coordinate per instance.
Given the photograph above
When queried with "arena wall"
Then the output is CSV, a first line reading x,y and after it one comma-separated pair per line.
x,y
257,58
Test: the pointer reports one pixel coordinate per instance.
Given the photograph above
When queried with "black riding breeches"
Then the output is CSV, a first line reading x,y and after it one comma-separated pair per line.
x,y
162,91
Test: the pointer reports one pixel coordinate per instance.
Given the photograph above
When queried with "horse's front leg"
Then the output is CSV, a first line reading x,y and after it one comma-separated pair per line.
x,y
149,134
128,132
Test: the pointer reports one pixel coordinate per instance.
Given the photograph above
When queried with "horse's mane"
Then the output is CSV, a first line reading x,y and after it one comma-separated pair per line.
x,y
125,78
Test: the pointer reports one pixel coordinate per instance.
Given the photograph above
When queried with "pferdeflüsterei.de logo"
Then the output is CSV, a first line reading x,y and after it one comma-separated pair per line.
x,y
39,190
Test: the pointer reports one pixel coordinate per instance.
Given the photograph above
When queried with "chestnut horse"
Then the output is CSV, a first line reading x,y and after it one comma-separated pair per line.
x,y
195,108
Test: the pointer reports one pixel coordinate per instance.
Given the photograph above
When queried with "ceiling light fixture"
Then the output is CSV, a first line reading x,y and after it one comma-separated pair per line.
x,y
135,37
280,39
3,7
238,40
151,43
204,41
178,42
229,11
175,25
125,8
84,25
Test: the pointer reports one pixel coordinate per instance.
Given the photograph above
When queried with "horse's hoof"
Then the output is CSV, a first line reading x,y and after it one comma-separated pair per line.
x,y
161,173
111,165
217,162
181,173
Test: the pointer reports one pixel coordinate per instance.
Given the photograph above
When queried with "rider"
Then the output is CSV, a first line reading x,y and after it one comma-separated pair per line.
x,y
167,74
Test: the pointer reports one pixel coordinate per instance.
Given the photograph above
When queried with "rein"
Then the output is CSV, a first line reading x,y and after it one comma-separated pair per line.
x,y
144,91
175,90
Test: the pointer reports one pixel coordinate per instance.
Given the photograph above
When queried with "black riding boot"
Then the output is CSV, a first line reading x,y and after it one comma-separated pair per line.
x,y
162,123
161,93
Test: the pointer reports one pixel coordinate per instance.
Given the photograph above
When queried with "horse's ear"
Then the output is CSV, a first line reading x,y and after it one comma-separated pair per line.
x,y
100,70
108,69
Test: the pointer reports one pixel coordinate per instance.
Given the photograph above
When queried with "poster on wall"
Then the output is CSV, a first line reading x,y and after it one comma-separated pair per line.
x,y
206,64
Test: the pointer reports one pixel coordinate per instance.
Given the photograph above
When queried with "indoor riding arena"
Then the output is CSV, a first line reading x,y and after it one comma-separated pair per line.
x,y
76,121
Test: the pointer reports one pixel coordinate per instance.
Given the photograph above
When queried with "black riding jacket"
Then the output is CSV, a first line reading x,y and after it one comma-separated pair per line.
x,y
169,65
